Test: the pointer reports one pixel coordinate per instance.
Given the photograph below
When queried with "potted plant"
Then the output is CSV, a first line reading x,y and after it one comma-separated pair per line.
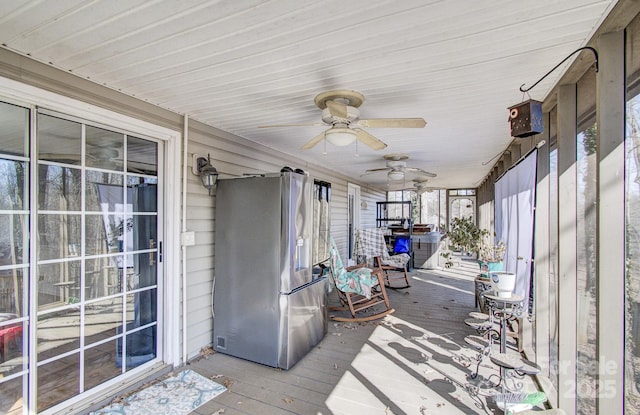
x,y
490,254
448,262
464,235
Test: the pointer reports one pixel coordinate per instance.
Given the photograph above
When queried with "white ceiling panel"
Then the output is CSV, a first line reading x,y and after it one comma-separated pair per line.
x,y
240,64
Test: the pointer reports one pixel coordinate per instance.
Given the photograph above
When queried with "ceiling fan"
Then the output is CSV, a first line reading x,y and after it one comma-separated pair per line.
x,y
420,186
340,113
397,167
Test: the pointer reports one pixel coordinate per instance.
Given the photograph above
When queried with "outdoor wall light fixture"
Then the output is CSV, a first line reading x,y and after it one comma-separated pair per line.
x,y
208,174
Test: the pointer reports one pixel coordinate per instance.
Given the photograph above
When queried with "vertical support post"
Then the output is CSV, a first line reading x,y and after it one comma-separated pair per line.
x,y
567,252
541,248
611,227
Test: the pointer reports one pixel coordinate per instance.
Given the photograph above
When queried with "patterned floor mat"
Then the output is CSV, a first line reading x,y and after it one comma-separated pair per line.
x,y
176,395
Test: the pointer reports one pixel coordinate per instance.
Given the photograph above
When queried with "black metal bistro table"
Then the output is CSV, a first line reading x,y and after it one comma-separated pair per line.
x,y
505,309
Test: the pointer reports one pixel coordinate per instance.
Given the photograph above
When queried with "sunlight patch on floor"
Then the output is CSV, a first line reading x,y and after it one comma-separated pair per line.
x,y
405,369
442,285
351,396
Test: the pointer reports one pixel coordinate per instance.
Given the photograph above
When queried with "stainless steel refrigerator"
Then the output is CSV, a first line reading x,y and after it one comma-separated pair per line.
x,y
269,305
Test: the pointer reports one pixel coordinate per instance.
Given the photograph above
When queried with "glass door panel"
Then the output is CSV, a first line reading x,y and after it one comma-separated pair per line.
x,y
59,140
105,149
99,366
97,253
142,272
55,385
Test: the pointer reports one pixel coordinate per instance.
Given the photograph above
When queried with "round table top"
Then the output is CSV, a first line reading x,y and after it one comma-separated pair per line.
x,y
479,315
478,342
477,323
507,361
529,367
514,298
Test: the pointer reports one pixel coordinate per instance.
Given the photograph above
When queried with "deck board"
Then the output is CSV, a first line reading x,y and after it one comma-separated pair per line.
x,y
413,361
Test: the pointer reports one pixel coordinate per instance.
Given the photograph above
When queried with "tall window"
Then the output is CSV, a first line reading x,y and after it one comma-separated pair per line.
x,y
586,244
632,222
431,211
428,206
404,196
553,251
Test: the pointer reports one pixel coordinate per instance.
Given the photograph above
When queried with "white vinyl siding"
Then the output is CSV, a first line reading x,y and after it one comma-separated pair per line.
x,y
233,157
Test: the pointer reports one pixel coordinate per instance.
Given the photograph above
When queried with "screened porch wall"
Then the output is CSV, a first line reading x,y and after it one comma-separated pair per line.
x,y
585,325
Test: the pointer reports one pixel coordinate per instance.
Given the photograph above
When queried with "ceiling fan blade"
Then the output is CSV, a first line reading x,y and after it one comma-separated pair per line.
x,y
380,169
422,172
337,109
368,139
311,124
393,123
315,140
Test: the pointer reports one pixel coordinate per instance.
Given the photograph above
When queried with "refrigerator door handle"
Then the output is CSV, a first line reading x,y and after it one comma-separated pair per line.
x,y
299,248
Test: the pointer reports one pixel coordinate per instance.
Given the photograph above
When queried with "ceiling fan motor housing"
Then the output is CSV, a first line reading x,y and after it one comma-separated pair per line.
x,y
394,164
352,115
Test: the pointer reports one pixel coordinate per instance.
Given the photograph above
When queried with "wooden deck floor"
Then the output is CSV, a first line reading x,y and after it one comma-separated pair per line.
x,y
414,361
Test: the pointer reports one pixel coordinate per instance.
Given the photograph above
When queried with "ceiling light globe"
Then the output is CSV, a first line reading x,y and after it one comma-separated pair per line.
x,y
396,175
340,136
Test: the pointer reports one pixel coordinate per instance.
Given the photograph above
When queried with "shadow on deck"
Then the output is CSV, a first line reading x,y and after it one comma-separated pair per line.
x,y
414,361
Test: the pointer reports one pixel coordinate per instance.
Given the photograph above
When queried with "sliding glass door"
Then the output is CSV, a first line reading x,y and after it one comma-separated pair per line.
x,y
83,237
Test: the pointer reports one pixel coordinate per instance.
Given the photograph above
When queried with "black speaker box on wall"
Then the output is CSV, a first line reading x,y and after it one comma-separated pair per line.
x,y
526,119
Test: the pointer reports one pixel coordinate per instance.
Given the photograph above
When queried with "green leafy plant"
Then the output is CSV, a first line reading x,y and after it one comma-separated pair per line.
x,y
448,263
464,235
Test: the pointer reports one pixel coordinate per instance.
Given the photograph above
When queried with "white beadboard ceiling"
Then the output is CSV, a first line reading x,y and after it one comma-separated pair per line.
x,y
239,64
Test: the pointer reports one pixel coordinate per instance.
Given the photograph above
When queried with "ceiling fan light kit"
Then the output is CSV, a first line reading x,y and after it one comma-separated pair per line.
x,y
396,167
340,136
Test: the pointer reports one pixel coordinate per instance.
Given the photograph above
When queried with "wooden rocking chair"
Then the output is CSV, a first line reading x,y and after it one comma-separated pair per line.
x,y
359,290
370,244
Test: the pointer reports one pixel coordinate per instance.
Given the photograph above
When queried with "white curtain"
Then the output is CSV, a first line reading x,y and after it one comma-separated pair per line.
x,y
515,195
